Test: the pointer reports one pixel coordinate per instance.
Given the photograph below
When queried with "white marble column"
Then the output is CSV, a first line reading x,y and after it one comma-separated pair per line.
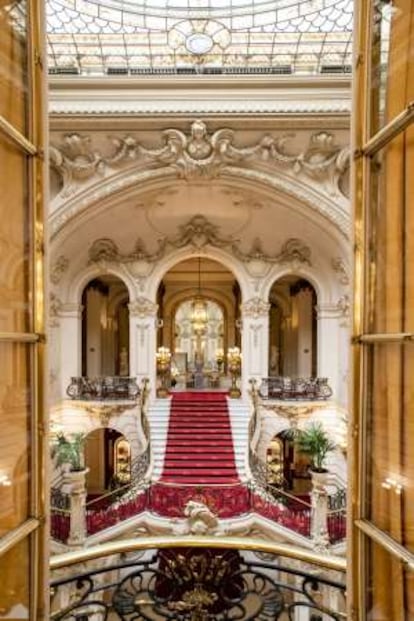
x,y
331,347
255,341
70,323
143,340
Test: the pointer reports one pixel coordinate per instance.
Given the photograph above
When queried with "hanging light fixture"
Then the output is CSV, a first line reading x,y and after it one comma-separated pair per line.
x,y
198,315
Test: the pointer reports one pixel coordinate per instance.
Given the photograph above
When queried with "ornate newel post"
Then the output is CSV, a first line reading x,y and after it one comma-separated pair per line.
x,y
319,514
255,340
74,484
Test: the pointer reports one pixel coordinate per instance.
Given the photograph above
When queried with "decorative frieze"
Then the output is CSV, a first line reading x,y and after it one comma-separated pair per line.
x,y
201,154
198,233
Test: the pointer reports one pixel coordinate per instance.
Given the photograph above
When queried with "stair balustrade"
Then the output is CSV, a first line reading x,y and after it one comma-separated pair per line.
x,y
197,578
111,388
295,389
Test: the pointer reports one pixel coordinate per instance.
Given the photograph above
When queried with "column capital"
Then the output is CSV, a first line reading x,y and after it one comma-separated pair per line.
x,y
142,307
70,309
255,308
334,310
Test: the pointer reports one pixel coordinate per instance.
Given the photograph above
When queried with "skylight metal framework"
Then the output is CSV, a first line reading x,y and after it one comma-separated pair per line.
x,y
199,36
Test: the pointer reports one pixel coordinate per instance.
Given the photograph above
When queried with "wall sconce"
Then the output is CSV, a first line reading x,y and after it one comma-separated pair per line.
x,y
391,483
163,358
234,366
4,480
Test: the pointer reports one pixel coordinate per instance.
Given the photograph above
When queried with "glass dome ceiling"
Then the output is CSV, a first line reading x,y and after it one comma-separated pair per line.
x,y
127,37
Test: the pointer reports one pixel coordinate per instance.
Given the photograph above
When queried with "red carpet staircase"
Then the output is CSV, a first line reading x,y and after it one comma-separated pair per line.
x,y
199,442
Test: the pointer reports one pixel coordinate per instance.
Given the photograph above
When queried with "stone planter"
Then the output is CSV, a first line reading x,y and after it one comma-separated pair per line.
x,y
319,479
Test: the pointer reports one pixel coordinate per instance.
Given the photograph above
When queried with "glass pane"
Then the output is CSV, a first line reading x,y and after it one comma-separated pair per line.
x,y
391,244
15,410
14,582
388,594
14,240
391,50
390,433
13,62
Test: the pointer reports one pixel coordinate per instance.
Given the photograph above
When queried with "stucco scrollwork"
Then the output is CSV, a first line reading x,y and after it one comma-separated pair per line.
x,y
255,308
55,306
338,265
105,249
142,307
200,153
106,412
75,160
344,305
198,232
59,267
293,250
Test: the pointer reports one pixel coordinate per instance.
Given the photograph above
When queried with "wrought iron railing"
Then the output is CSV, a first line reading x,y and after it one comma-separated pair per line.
x,y
291,511
197,579
103,388
295,389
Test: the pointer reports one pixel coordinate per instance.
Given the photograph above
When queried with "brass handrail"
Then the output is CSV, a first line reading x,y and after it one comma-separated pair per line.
x,y
230,543
108,494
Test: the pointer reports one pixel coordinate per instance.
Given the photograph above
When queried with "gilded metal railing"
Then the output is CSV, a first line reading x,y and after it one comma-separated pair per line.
x,y
197,579
103,388
295,389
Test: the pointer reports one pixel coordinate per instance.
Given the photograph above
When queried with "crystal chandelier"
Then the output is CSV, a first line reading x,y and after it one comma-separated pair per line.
x,y
198,317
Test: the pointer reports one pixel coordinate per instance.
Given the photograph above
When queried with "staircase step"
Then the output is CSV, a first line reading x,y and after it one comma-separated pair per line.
x,y
195,462
199,450
199,480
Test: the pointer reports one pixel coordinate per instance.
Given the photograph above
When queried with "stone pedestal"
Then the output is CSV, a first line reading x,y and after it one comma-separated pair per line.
x,y
74,483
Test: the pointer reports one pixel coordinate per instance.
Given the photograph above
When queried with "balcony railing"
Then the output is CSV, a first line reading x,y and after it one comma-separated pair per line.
x,y
197,579
103,388
295,389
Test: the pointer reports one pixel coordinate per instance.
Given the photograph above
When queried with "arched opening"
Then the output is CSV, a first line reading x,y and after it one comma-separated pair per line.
x,y
286,467
199,302
108,458
105,328
293,328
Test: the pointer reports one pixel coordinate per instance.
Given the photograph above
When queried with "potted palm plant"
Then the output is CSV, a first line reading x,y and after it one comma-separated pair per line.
x,y
314,442
70,451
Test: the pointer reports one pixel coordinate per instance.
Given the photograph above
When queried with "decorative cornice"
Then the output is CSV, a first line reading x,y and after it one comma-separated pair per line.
x,y
188,107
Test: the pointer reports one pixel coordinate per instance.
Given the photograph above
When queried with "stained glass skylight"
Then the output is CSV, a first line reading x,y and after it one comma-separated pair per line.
x,y
95,37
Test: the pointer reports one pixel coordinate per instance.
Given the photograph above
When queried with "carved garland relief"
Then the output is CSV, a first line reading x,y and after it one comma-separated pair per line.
x,y
201,154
